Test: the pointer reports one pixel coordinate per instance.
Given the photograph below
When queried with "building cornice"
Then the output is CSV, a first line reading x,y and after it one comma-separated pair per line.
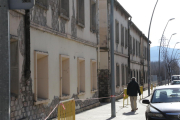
x,y
64,35
120,54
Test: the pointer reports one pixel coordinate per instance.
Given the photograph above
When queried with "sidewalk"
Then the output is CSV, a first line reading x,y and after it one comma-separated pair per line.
x,y
103,112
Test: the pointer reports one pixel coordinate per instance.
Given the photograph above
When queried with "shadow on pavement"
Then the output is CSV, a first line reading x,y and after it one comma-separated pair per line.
x,y
110,118
130,113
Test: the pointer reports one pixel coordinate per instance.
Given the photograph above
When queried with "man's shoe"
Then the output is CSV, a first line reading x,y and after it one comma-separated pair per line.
x,y
132,110
136,108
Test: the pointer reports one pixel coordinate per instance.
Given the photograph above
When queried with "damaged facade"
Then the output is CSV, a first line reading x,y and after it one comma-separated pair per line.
x,y
63,57
129,42
65,53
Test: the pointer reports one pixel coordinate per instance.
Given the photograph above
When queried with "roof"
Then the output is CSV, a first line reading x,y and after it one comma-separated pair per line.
x,y
169,86
118,5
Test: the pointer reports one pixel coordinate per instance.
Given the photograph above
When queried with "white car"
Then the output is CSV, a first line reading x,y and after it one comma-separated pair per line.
x,y
175,82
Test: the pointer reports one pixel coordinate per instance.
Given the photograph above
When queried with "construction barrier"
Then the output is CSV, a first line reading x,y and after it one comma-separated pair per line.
x,y
125,96
141,90
66,110
151,87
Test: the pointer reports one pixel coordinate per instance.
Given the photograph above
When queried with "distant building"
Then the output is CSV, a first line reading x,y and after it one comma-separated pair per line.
x,y
124,31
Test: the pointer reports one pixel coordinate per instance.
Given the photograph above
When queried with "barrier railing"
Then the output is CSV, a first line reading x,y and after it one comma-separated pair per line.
x,y
141,90
125,96
66,110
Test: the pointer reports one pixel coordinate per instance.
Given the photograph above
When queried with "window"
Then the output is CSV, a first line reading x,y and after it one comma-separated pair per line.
x,y
134,46
139,49
64,9
137,77
122,35
130,44
117,76
126,38
81,75
127,74
117,31
123,78
80,13
64,64
93,15
93,76
42,3
14,59
41,82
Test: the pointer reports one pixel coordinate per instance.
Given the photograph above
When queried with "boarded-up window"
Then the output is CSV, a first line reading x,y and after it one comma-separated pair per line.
x,y
123,78
81,75
64,9
41,77
80,13
126,38
42,3
122,35
117,75
14,67
64,66
93,75
117,31
93,15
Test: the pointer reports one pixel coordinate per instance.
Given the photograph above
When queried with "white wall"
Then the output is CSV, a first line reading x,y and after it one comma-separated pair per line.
x,y
55,45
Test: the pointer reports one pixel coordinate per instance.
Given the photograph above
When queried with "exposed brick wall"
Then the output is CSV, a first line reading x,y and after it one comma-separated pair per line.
x,y
104,84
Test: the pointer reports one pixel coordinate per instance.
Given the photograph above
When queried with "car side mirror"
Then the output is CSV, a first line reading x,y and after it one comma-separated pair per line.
x,y
145,102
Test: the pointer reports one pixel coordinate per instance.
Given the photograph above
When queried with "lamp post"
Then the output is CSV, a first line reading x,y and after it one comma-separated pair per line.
x,y
166,56
173,49
148,52
160,44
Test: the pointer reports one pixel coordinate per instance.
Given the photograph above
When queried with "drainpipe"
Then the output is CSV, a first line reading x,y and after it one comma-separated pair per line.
x,y
27,44
129,60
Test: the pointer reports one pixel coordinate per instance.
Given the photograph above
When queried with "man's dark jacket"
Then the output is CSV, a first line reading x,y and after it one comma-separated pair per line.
x,y
133,88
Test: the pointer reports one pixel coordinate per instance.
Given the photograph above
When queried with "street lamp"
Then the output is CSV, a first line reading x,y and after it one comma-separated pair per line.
x,y
173,49
160,44
166,55
148,52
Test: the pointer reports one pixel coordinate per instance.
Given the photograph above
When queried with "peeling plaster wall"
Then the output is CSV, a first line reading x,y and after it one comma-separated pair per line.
x,y
22,105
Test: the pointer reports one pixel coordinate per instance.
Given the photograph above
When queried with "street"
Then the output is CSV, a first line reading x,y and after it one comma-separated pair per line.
x,y
104,111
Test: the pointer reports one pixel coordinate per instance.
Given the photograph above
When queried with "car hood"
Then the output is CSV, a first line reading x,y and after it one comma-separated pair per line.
x,y
166,107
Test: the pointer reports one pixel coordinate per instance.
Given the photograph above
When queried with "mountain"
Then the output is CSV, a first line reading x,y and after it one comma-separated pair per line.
x,y
155,53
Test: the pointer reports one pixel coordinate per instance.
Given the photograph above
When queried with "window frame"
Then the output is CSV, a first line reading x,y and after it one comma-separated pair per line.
x,y
79,92
80,24
66,17
117,75
65,57
117,31
93,27
93,86
44,6
36,78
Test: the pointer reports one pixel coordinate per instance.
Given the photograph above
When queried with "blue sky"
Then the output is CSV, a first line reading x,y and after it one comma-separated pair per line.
x,y
141,11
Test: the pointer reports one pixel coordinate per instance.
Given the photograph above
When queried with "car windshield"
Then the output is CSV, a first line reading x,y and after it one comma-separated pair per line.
x,y
166,95
176,82
175,78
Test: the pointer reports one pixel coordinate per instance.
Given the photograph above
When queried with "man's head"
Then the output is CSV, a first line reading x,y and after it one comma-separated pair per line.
x,y
133,78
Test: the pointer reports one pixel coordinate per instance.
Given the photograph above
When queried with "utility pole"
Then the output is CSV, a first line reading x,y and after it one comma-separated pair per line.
x,y
5,61
113,107
129,50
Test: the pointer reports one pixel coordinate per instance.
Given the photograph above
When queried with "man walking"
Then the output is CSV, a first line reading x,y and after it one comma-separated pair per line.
x,y
132,90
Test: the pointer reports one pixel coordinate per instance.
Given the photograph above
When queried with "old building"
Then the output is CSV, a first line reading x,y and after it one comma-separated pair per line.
x,y
129,43
58,60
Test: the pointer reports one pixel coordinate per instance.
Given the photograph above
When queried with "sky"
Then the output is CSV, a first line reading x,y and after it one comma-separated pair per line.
x,y
141,11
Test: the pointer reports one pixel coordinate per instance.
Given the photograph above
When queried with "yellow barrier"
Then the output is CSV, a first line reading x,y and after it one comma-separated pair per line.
x,y
151,88
125,96
141,90
66,110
